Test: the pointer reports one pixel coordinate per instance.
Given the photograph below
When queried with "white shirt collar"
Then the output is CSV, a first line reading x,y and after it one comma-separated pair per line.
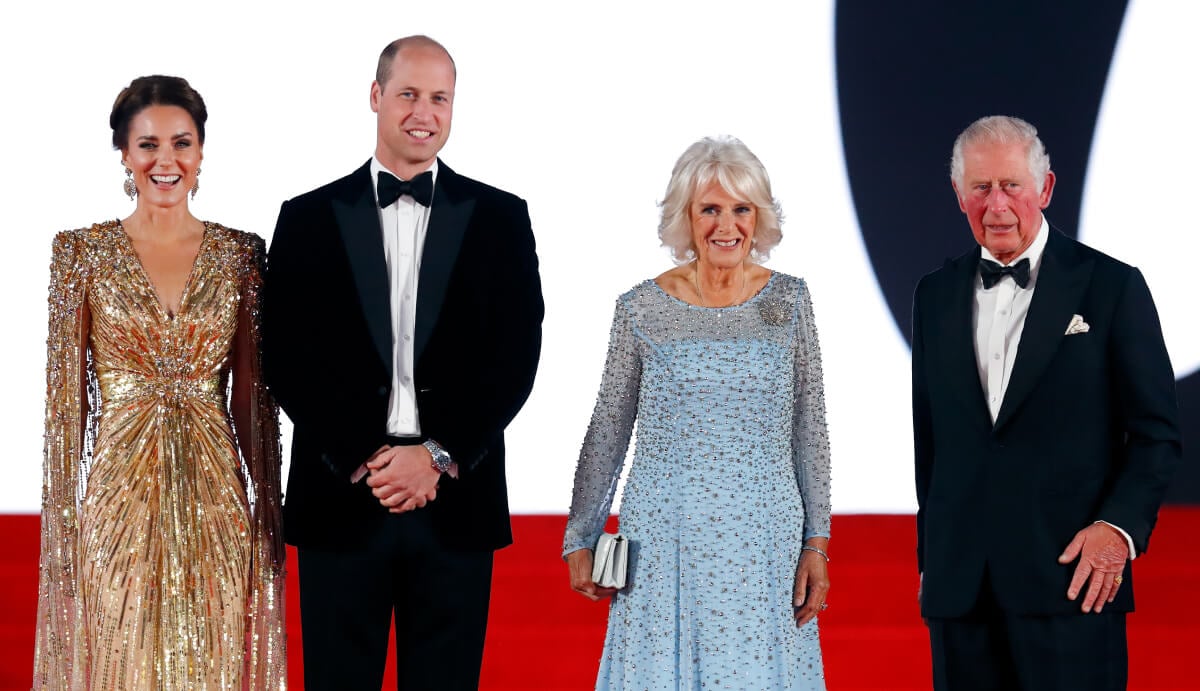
x,y
1033,253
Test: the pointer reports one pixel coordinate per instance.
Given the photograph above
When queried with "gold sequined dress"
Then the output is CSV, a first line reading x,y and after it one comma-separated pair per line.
x,y
162,556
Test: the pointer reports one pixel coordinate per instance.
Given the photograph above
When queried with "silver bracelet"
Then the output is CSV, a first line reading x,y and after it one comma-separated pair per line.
x,y
810,548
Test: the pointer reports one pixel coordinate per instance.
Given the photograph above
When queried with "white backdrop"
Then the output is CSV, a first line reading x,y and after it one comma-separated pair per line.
x,y
580,110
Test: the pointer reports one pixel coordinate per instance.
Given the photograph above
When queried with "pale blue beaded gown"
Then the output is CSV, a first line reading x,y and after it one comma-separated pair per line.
x,y
729,476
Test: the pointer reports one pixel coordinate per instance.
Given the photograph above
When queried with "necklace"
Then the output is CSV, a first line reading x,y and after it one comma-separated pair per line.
x,y
704,300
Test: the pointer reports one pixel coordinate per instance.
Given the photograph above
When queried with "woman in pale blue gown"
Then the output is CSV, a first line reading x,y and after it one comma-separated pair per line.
x,y
726,505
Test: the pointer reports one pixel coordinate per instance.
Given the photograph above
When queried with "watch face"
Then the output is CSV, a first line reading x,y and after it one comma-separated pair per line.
x,y
441,459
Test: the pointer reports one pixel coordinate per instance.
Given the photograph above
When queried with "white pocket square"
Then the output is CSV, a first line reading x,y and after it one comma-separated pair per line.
x,y
1077,326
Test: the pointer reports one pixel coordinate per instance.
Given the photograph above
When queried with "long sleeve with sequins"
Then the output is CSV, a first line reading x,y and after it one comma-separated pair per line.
x,y
607,441
256,419
64,461
810,437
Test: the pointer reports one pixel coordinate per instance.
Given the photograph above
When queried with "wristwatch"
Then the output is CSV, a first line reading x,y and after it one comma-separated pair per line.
x,y
441,459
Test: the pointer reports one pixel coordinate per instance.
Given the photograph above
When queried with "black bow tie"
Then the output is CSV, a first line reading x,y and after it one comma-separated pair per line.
x,y
392,188
991,272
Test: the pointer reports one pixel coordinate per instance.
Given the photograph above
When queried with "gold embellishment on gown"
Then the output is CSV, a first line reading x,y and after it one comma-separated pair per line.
x,y
162,555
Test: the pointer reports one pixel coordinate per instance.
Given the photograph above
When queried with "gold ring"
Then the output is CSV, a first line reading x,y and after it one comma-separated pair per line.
x,y
1118,580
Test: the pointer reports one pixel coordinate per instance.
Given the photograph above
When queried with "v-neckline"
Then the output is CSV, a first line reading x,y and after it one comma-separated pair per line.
x,y
163,310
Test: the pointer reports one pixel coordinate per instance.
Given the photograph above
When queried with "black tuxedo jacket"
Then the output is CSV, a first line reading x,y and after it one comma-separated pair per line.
x,y
1087,431
328,352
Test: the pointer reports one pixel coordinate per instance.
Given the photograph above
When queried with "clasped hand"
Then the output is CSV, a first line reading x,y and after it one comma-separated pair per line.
x,y
579,564
1102,552
402,478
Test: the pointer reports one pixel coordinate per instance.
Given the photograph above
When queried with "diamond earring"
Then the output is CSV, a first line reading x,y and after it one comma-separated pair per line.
x,y
129,187
196,184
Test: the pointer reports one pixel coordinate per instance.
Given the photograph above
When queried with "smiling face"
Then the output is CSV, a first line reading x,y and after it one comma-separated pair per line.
x,y
413,109
1000,197
164,153
722,226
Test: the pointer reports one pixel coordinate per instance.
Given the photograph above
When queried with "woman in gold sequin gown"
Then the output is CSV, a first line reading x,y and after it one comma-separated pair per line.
x,y
162,559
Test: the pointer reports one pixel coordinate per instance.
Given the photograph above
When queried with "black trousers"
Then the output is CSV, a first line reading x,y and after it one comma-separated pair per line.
x,y
439,598
991,649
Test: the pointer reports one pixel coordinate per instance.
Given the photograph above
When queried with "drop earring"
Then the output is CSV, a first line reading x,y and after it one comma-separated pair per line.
x,y
129,187
196,184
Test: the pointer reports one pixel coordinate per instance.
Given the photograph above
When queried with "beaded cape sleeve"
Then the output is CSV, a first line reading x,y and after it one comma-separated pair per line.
x,y
67,446
256,421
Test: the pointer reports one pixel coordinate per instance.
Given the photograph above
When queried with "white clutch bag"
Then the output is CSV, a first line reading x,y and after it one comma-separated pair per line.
x,y
610,561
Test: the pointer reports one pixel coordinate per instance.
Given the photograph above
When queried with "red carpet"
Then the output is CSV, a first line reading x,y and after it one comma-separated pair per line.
x,y
543,636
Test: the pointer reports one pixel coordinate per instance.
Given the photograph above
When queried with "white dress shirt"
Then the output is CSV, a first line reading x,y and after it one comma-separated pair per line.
x,y
404,223
998,319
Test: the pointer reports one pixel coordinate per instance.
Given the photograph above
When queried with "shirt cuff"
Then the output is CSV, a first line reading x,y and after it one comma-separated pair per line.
x,y
1128,540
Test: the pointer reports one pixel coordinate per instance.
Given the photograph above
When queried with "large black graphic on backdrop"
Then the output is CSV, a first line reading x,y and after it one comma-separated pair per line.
x,y
912,75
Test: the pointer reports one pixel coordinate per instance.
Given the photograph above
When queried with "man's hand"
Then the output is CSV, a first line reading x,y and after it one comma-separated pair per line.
x,y
1102,552
403,478
579,564
361,471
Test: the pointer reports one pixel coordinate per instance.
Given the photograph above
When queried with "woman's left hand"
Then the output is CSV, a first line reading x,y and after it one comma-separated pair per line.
x,y
812,584
579,565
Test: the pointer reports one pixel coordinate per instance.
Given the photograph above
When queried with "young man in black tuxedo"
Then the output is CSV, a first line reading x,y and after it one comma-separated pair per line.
x,y
1046,431
402,332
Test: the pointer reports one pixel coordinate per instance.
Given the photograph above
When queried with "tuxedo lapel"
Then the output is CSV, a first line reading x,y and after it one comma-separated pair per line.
x,y
448,219
358,222
1061,282
956,333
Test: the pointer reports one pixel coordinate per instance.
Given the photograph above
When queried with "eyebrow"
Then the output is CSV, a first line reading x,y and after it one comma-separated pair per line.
x,y
174,137
443,92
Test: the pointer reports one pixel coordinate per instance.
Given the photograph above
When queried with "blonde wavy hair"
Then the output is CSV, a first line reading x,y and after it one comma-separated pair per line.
x,y
739,172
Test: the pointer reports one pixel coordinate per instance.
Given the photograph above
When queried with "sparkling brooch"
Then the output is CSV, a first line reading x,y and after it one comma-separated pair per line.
x,y
774,312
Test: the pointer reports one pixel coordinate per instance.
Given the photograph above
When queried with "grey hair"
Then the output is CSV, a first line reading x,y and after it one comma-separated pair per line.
x,y
1002,129
731,163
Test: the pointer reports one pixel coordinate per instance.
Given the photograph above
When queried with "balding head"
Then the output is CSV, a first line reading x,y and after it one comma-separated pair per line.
x,y
383,70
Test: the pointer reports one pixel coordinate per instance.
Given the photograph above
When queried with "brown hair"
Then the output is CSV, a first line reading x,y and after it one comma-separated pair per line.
x,y
155,90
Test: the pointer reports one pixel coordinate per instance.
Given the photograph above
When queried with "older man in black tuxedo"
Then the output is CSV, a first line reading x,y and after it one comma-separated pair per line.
x,y
402,331
1045,429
